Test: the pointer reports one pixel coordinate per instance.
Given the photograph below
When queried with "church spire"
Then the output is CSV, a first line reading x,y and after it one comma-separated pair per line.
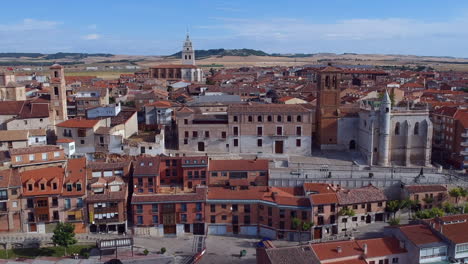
x,y
188,54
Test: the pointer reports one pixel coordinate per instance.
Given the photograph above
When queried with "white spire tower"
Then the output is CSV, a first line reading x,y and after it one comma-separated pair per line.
x,y
385,124
188,54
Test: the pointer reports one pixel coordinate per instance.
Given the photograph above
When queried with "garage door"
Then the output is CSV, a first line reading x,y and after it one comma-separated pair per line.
x,y
217,229
248,230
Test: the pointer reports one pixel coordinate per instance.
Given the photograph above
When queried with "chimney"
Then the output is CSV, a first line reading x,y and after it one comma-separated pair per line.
x,y
364,248
338,249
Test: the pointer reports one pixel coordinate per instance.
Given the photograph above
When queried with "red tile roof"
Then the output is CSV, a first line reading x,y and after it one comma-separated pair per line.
x,y
327,251
361,195
425,188
76,173
65,140
380,247
49,174
419,234
453,227
238,165
144,166
79,123
35,149
325,198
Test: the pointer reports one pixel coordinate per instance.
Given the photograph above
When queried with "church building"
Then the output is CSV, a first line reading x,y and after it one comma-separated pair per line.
x,y
187,70
383,134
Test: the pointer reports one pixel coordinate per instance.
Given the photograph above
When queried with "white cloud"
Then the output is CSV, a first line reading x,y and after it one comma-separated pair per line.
x,y
30,24
92,37
92,27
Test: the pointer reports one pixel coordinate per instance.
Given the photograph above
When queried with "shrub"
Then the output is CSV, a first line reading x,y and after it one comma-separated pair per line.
x,y
394,221
163,250
146,252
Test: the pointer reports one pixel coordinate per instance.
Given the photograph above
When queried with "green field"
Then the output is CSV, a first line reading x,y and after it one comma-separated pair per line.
x,y
44,252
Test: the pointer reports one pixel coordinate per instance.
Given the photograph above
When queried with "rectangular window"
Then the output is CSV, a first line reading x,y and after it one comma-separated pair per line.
x,y
183,207
186,134
235,131
213,219
198,207
3,195
183,218
298,131
69,187
247,208
79,202
31,157
140,220
279,131
298,142
236,142
207,134
235,119
289,118
139,209
154,208
195,134
214,174
185,121
56,154
223,134
234,207
394,260
67,203
259,131
82,132
247,219
19,158
259,142
270,119
213,208
78,187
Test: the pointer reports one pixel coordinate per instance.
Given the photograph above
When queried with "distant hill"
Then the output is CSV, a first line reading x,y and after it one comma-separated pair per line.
x,y
225,52
55,56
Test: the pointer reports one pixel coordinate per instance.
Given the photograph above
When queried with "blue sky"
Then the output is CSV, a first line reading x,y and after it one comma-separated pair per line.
x,y
430,27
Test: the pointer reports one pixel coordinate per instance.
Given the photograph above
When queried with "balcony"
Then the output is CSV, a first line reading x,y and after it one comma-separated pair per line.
x,y
465,135
101,210
464,153
107,220
464,144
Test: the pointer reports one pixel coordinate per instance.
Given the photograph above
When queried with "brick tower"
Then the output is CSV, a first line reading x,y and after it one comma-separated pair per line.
x,y
328,107
58,93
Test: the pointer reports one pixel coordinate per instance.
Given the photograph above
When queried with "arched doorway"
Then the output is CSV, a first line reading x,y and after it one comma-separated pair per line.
x,y
368,219
352,145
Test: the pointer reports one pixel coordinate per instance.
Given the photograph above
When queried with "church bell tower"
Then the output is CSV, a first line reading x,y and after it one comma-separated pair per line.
x,y
188,54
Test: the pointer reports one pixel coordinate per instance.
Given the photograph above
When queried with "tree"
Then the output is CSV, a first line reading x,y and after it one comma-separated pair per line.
x,y
64,235
273,95
457,193
345,211
410,205
430,213
300,226
394,206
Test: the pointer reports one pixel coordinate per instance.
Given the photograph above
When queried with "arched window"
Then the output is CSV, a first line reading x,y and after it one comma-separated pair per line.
x,y
416,128
327,81
334,82
189,57
259,118
397,128
185,56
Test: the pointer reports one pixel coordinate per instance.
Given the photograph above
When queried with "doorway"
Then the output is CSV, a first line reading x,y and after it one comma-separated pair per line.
x,y
317,233
198,228
352,145
279,147
368,219
201,146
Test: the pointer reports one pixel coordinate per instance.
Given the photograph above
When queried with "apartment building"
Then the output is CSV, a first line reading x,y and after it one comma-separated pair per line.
x,y
22,138
10,201
170,212
106,204
41,204
426,196
238,172
258,211
368,204
324,204
260,128
89,97
74,194
36,156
